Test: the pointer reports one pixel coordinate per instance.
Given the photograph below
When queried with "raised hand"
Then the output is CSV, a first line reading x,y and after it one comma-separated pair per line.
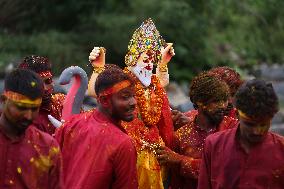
x,y
167,54
97,57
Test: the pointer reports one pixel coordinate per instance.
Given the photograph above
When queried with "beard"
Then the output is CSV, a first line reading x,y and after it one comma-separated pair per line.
x,y
46,100
24,125
19,126
216,117
125,113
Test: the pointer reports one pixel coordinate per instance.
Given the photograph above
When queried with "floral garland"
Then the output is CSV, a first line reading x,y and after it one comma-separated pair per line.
x,y
149,111
144,137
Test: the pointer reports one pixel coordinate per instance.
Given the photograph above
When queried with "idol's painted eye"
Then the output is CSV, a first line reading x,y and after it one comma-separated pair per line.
x,y
146,61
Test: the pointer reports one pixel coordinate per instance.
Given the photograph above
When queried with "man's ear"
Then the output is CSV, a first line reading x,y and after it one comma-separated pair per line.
x,y
104,101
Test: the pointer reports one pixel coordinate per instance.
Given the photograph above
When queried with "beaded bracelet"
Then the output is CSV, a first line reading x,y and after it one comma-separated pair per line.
x,y
163,68
99,69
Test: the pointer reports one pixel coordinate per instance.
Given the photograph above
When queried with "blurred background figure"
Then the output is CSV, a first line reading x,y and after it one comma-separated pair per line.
x,y
52,104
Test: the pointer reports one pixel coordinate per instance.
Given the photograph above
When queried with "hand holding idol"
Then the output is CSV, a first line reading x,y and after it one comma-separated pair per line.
x,y
167,54
97,57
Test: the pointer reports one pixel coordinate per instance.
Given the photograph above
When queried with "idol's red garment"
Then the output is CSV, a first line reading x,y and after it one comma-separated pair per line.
x,y
55,109
226,165
190,141
96,153
31,161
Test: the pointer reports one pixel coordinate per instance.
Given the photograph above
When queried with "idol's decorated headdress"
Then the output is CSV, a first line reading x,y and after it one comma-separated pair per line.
x,y
145,38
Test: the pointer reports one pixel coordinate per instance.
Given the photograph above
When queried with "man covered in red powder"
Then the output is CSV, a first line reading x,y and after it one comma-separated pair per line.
x,y
97,152
29,158
248,156
52,104
210,98
152,125
233,80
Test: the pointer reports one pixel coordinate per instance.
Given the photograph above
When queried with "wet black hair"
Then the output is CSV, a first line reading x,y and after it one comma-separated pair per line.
x,y
25,82
257,99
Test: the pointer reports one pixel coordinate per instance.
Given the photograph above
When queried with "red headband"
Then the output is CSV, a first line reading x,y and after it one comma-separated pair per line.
x,y
22,99
115,88
45,74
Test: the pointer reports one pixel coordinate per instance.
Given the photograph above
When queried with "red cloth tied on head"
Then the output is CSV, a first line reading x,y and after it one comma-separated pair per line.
x,y
115,88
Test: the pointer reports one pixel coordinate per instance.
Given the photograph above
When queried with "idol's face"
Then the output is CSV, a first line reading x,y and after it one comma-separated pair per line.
x,y
19,115
144,67
254,131
123,104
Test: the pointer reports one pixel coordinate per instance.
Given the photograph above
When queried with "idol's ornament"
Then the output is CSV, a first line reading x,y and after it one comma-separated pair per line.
x,y
145,51
145,38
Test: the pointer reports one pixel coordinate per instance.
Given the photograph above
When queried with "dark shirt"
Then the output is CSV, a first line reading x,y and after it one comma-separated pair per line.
x,y
226,165
31,161
190,140
96,153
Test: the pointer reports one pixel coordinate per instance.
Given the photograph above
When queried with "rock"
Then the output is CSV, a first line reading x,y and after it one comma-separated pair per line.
x,y
270,72
177,97
278,128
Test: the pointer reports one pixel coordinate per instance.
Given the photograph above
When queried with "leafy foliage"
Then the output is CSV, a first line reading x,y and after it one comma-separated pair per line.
x,y
205,33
